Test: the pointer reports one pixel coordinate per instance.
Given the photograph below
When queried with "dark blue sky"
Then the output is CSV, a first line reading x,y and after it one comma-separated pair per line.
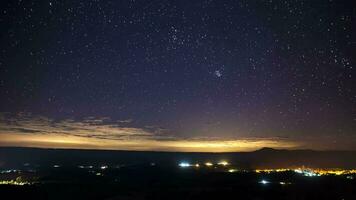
x,y
222,69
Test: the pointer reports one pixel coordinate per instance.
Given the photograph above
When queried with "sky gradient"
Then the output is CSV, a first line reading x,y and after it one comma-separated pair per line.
x,y
178,75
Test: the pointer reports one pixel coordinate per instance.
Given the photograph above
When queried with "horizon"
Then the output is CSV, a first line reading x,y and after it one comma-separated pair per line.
x,y
162,151
178,99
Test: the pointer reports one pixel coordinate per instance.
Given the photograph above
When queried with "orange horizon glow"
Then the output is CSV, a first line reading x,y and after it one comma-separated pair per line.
x,y
101,133
75,142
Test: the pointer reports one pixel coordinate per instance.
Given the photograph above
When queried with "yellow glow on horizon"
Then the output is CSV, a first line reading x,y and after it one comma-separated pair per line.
x,y
98,133
77,142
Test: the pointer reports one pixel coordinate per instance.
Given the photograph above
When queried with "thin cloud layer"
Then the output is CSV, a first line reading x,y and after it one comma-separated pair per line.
x,y
101,128
103,133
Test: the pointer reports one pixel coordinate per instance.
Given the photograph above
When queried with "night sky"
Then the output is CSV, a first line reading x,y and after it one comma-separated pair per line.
x,y
183,75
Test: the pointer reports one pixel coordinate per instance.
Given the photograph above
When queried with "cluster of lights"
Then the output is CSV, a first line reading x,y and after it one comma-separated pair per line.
x,y
208,164
322,172
14,182
9,171
334,171
284,183
303,171
223,163
265,182
310,172
271,170
85,167
306,172
184,164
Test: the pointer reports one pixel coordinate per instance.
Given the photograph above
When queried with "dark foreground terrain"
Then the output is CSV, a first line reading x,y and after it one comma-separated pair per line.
x,y
157,183
61,176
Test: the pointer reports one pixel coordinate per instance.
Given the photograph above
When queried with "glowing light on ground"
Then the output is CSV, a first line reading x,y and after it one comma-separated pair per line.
x,y
306,172
184,164
223,163
209,164
310,172
104,167
14,182
264,182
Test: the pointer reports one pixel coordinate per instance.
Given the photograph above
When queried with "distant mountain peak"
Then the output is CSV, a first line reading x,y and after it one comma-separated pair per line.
x,y
266,149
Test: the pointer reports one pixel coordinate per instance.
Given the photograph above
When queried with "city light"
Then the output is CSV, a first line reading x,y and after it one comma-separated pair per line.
x,y
9,171
306,172
184,164
85,167
209,164
104,167
284,183
271,170
264,182
14,182
310,172
223,163
334,171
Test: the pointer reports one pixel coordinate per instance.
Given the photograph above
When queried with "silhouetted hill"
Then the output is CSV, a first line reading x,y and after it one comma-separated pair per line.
x,y
263,158
268,157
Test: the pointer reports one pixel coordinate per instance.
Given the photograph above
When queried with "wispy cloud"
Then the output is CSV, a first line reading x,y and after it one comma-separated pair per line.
x,y
101,128
24,129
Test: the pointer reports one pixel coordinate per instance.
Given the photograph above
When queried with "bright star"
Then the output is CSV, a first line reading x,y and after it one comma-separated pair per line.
x,y
218,73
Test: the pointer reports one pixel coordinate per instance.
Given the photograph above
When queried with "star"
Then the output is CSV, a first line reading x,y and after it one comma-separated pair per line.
x,y
218,73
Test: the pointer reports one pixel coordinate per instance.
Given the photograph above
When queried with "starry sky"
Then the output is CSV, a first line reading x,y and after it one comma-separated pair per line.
x,y
178,75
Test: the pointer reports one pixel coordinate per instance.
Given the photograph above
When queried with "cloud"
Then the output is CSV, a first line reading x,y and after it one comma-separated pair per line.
x,y
102,128
25,129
